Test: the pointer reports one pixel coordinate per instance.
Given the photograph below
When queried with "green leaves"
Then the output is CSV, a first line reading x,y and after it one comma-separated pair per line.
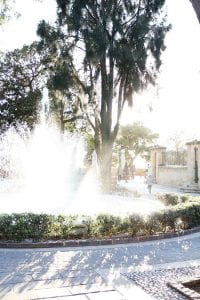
x,y
21,75
136,138
37,227
109,45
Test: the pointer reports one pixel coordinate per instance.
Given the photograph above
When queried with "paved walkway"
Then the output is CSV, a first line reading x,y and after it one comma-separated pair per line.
x,y
104,272
123,272
139,186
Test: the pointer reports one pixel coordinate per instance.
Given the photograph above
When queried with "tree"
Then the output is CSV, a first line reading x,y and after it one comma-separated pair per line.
x,y
21,81
196,6
5,7
136,139
111,50
65,109
177,140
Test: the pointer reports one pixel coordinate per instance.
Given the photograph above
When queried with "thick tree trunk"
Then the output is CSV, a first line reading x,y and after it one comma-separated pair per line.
x,y
105,157
196,6
106,164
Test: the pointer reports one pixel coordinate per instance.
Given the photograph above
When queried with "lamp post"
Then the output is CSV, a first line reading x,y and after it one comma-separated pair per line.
x,y
196,178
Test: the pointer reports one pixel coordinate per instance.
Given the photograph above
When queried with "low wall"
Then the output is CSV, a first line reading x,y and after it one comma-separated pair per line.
x,y
175,176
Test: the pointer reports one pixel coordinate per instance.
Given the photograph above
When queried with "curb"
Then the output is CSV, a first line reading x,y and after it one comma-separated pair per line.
x,y
96,242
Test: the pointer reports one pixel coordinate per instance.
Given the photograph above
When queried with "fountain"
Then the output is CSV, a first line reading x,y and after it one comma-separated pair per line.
x,y
35,167
43,171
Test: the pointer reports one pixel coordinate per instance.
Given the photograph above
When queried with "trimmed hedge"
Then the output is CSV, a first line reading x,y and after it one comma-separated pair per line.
x,y
37,227
23,226
171,199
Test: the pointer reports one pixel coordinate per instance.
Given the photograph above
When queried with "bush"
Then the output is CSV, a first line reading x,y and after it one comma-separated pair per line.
x,y
136,224
168,199
106,225
34,226
18,227
6,224
65,225
153,223
189,214
183,199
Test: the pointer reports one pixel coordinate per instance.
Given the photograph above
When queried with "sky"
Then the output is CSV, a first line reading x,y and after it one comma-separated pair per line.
x,y
176,99
175,102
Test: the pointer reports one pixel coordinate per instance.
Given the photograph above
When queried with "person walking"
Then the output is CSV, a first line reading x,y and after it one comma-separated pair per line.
x,y
149,182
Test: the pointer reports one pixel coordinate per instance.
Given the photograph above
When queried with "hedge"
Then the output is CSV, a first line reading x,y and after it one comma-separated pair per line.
x,y
37,227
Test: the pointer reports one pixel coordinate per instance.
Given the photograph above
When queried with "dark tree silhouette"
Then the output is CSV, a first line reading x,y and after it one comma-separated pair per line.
x,y
196,6
109,49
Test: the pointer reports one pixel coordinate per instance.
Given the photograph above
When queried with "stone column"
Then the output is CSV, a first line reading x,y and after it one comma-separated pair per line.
x,y
193,162
156,160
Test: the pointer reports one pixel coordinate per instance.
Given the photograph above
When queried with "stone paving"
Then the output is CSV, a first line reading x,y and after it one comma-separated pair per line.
x,y
156,282
134,271
139,186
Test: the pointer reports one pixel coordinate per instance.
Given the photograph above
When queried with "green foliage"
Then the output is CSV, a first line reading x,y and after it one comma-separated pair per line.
x,y
35,226
106,225
21,80
38,227
90,147
65,224
153,223
6,222
136,138
115,40
189,213
169,199
5,8
25,226
184,198
136,224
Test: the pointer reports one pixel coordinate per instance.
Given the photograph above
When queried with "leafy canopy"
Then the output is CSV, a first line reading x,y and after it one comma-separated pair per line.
x,y
21,79
136,138
118,42
105,50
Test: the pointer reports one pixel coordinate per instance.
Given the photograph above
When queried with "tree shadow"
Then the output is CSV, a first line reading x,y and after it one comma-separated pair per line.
x,y
72,271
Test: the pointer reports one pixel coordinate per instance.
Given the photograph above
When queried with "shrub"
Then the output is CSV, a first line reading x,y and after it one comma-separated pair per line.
x,y
153,223
168,199
136,224
6,223
89,222
184,198
65,225
190,214
106,225
40,226
19,227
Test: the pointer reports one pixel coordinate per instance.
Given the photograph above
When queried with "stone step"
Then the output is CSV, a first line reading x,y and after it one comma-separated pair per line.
x,y
190,189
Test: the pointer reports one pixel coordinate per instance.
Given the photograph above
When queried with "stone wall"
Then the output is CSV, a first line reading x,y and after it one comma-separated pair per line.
x,y
175,176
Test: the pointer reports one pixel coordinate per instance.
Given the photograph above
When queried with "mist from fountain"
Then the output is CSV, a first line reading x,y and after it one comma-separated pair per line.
x,y
42,171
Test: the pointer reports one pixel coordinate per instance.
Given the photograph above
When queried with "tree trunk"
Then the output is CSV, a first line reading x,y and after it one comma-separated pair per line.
x,y
196,6
105,157
105,165
62,124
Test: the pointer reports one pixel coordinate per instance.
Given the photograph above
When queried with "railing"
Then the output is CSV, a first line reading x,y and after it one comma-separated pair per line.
x,y
174,158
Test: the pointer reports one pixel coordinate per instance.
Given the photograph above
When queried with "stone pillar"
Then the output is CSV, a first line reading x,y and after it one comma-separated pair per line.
x,y
156,160
193,162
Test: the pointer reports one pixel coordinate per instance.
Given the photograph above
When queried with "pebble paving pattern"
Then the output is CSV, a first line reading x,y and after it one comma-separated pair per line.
x,y
155,282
